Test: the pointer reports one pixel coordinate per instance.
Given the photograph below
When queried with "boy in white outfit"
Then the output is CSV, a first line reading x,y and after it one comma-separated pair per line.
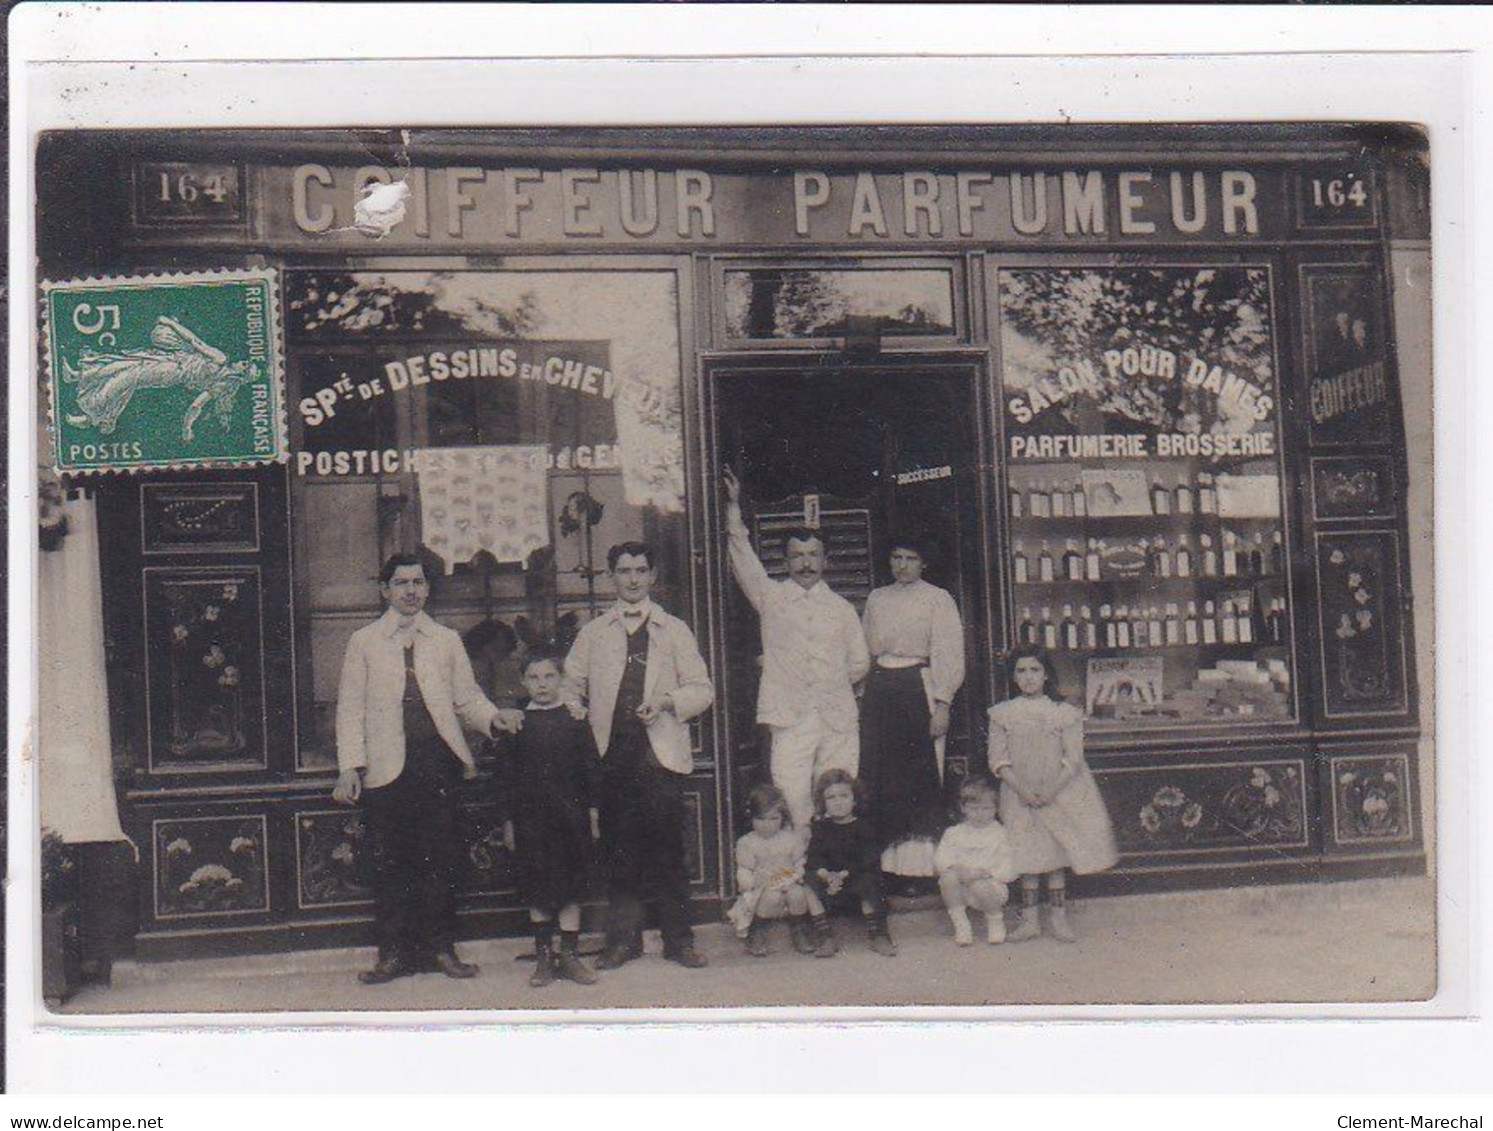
x,y
814,653
975,865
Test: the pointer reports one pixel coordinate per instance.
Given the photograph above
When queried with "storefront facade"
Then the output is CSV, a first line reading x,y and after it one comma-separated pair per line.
x,y
1139,389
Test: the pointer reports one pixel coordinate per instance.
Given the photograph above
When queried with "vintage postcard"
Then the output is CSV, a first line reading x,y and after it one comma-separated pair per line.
x,y
596,570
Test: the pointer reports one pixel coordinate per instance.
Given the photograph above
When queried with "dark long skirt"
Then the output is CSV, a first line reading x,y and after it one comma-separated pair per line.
x,y
898,764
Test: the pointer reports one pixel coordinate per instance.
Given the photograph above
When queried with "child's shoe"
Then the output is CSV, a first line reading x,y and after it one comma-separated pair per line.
x,y
1027,925
880,938
802,934
995,927
756,940
544,965
826,945
571,967
963,933
1062,930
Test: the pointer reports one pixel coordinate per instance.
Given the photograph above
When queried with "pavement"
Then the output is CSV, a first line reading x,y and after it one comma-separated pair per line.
x,y
1355,941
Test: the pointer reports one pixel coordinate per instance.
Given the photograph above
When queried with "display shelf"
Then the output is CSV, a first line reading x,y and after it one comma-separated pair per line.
x,y
1151,582
1138,523
1206,653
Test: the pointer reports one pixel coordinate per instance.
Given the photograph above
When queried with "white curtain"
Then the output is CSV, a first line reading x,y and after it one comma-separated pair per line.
x,y
77,781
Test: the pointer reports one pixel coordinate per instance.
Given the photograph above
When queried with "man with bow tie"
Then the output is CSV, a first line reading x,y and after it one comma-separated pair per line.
x,y
642,676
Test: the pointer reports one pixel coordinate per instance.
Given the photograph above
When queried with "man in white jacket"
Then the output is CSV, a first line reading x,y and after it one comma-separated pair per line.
x,y
813,655
642,677
407,689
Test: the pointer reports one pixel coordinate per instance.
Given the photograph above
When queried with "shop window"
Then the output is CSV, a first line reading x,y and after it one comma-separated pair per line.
x,y
799,303
1147,549
508,427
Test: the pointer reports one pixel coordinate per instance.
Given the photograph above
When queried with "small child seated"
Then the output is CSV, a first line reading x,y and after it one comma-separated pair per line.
x,y
844,865
975,864
770,875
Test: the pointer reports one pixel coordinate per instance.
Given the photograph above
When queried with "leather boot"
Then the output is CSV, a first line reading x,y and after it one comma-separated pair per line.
x,y
1027,925
879,937
756,940
448,964
802,934
825,943
544,963
570,965
618,954
388,967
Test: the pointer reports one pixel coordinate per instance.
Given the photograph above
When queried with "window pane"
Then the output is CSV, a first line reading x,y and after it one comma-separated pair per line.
x,y
1148,550
817,304
508,426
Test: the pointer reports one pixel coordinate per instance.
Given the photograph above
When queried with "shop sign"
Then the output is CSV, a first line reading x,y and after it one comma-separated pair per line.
x,y
1137,364
563,394
1348,364
480,206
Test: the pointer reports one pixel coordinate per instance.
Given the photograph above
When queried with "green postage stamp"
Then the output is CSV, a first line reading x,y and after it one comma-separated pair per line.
x,y
165,371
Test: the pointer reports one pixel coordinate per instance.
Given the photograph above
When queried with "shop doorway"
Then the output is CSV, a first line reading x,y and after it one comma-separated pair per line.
x,y
866,454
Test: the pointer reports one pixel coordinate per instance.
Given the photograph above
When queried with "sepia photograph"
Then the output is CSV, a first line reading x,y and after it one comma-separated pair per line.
x,y
611,569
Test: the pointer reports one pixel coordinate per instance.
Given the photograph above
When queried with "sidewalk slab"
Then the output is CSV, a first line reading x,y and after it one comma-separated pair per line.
x,y
1360,941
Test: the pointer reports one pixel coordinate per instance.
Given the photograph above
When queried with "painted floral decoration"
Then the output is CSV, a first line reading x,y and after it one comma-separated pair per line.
x,y
210,875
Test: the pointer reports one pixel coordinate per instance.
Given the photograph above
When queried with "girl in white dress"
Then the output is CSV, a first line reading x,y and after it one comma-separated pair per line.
x,y
770,875
1050,805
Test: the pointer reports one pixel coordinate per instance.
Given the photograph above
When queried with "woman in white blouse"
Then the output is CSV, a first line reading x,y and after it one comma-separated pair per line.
x,y
916,642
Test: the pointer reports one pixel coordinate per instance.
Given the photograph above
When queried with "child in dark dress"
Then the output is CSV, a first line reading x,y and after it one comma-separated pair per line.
x,y
843,869
550,777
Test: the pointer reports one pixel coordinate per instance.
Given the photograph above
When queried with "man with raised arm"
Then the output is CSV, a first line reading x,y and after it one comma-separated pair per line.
x,y
813,655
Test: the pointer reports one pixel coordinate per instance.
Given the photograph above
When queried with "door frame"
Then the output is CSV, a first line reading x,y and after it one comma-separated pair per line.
x,y
973,366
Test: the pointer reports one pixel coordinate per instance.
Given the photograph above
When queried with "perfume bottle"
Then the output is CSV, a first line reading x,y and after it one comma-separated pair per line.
x,y
1027,633
1060,500
1019,568
1072,562
1208,555
1080,504
1230,555
1173,625
1246,630
1122,628
1049,630
1229,626
1138,635
1184,497
1044,564
1277,553
1111,633
1207,495
1257,555
1184,557
1161,498
1038,504
1068,631
1089,630
1190,625
1278,620
1015,501
1154,627
1161,558
1210,624
1091,562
